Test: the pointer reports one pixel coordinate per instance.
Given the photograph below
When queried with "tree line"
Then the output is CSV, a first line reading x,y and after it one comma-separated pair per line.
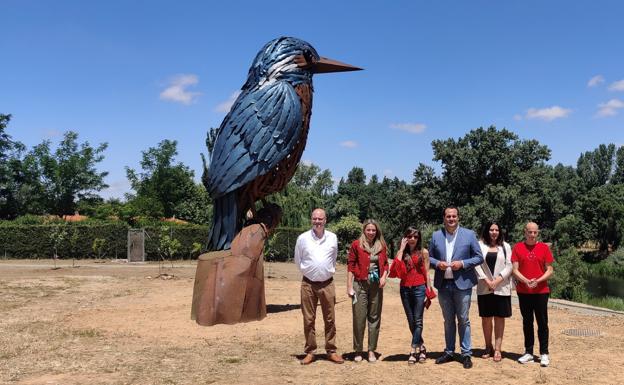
x,y
488,173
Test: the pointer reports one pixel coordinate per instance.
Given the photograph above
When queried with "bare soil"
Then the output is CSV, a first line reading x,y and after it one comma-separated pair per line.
x,y
117,323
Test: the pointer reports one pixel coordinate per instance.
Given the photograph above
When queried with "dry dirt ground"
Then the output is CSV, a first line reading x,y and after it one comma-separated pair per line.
x,y
114,323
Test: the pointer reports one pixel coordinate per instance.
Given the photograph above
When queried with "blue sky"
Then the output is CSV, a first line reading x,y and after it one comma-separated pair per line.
x,y
132,73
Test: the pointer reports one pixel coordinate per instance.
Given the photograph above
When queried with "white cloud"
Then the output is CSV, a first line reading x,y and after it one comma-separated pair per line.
x,y
116,189
413,128
517,117
617,86
593,82
387,172
225,106
177,90
609,108
548,114
51,133
349,144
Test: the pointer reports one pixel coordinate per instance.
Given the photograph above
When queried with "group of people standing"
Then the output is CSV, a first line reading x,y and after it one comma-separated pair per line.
x,y
460,262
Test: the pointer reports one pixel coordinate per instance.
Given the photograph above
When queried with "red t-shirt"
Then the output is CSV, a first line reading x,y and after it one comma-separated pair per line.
x,y
412,275
532,262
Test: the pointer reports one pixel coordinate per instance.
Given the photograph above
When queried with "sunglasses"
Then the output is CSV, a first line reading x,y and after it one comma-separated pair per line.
x,y
412,237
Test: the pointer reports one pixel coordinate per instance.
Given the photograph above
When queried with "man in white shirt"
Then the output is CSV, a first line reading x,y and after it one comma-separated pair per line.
x,y
315,255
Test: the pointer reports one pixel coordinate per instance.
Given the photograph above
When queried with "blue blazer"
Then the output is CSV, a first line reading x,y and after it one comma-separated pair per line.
x,y
466,249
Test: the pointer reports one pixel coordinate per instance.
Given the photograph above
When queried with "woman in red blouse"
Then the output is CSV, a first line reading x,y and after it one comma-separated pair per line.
x,y
411,265
367,265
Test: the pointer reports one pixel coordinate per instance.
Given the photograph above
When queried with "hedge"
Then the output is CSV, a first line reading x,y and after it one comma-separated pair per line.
x,y
32,241
35,241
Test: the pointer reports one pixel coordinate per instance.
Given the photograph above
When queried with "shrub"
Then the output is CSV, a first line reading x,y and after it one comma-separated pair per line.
x,y
569,278
347,229
185,234
281,244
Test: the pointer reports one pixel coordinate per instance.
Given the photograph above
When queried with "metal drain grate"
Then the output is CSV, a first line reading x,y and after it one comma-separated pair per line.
x,y
582,332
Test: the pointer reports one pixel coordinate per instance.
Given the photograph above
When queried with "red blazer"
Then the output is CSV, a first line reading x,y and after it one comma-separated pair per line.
x,y
358,261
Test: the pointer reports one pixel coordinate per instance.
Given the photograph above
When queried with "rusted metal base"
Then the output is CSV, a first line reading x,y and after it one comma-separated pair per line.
x,y
229,284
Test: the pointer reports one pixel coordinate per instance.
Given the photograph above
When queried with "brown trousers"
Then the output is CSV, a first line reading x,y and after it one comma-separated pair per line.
x,y
311,294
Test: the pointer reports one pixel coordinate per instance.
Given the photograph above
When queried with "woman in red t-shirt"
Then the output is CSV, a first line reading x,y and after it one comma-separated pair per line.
x,y
411,265
367,269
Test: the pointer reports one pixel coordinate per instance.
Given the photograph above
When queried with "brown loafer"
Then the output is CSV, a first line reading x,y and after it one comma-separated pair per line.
x,y
308,359
335,358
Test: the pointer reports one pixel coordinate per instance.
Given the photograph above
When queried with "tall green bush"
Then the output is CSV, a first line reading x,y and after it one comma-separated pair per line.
x,y
569,278
347,229
185,234
281,244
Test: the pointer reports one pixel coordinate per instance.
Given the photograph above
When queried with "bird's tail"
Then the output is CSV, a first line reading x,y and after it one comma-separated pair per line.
x,y
224,220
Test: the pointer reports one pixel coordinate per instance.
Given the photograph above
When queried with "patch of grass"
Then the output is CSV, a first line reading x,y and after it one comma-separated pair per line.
x,y
89,333
232,360
613,303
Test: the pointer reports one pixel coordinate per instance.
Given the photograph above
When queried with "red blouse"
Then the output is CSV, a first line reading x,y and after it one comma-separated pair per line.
x,y
358,261
414,275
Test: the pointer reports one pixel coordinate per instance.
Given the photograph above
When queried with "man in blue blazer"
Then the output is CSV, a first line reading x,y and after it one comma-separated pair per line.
x,y
454,252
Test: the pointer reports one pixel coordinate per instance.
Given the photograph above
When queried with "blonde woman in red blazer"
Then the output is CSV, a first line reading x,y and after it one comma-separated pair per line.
x,y
367,270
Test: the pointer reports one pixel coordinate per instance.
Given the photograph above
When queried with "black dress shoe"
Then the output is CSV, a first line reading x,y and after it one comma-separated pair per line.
x,y
444,358
467,362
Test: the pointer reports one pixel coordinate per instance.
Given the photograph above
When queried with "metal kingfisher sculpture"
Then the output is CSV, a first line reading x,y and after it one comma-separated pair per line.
x,y
260,141
255,153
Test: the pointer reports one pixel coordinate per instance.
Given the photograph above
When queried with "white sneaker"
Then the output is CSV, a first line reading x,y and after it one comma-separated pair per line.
x,y
544,360
527,358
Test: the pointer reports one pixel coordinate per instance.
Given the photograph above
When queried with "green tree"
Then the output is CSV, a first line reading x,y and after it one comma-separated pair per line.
x,y
308,189
570,275
596,167
65,175
168,246
197,208
618,173
58,235
429,196
602,210
98,246
484,157
355,190
347,229
12,176
163,184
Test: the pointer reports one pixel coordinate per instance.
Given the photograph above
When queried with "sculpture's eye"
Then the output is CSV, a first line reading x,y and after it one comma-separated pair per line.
x,y
309,57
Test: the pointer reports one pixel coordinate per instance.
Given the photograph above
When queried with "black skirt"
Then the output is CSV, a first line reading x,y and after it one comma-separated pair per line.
x,y
492,305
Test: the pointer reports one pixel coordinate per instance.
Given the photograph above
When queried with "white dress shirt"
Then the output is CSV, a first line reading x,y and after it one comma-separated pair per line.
x,y
450,245
316,257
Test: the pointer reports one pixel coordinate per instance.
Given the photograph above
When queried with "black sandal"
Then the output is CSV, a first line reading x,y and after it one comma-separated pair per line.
x,y
412,358
422,356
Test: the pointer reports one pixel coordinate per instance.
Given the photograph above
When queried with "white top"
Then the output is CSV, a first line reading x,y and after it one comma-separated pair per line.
x,y
450,245
502,268
316,257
